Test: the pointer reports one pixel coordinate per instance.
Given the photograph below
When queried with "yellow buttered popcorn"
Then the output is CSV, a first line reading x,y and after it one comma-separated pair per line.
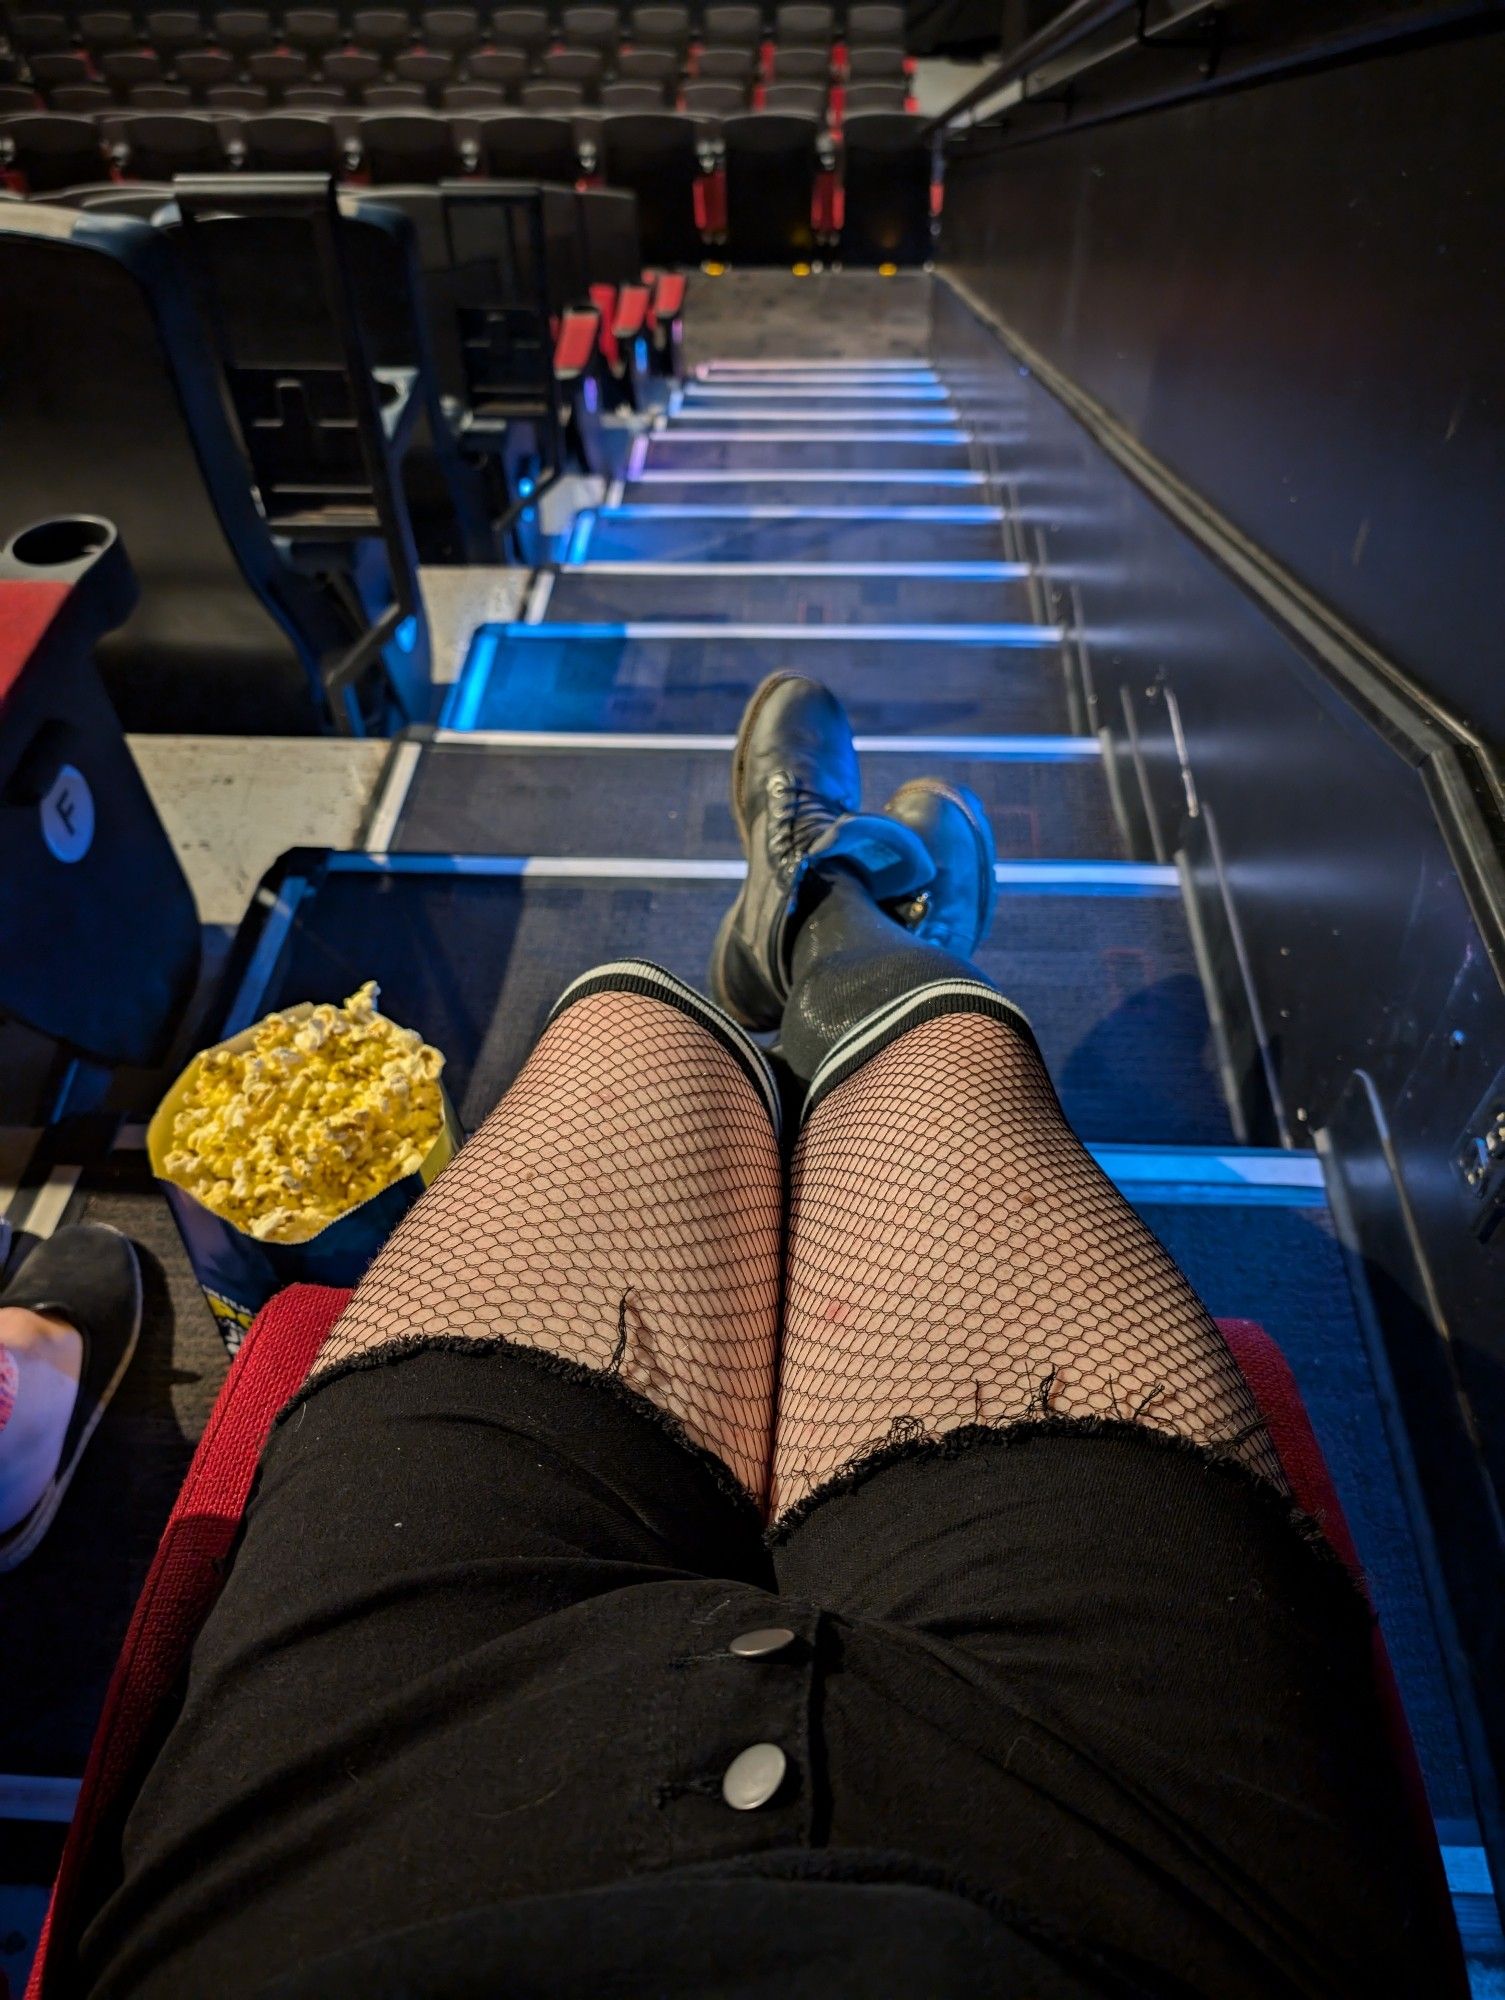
x,y
309,1114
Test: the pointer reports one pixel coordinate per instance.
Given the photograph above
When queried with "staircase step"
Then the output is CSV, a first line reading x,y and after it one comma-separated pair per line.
x,y
473,953
791,365
819,408
808,594
769,533
715,396
537,677
667,796
831,487
785,452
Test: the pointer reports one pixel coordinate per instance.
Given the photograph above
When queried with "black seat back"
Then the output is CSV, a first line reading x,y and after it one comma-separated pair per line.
x,y
395,97
454,28
399,146
202,69
507,68
541,96
53,151
654,155
733,24
662,27
243,29
633,97
106,28
111,403
160,144
660,66
717,100
472,97
727,65
159,97
584,68
805,23
483,250
879,64
862,97
872,21
314,30
291,143
383,30
529,146
771,164
805,100
886,171
591,27
800,65
525,28
82,99
613,241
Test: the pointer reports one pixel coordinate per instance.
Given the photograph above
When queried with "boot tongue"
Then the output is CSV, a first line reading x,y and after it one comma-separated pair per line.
x,y
800,816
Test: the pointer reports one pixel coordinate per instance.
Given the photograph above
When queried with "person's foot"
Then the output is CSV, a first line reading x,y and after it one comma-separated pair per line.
x,y
87,1279
956,907
795,792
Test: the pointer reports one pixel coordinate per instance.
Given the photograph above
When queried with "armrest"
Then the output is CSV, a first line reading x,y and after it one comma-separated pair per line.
x,y
669,295
575,344
632,311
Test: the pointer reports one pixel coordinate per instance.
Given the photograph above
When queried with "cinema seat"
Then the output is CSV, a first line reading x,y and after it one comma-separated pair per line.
x,y
654,154
886,183
525,146
50,150
288,142
409,146
111,403
771,163
161,144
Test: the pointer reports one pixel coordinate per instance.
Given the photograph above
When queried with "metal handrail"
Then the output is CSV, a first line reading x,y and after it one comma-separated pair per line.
x,y
1081,19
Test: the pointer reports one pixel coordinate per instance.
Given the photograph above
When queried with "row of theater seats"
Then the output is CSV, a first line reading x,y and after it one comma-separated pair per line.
x,y
238,23
762,188
589,49
287,396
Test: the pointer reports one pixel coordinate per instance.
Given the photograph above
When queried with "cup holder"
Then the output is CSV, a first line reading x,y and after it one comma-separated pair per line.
x,y
62,543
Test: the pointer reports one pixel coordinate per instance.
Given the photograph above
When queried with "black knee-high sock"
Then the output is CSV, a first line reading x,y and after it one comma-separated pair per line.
x,y
851,957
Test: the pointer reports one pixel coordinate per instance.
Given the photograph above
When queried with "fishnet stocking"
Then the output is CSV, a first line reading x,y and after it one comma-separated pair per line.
x,y
621,1208
956,1256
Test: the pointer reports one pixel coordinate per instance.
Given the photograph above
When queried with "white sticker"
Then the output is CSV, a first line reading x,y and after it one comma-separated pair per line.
x,y
68,815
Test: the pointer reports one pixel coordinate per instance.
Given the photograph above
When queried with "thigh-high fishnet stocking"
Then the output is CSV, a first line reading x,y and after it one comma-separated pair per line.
x,y
957,1257
620,1208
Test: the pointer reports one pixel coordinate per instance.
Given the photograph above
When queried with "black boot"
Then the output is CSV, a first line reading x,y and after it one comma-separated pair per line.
x,y
858,967
796,791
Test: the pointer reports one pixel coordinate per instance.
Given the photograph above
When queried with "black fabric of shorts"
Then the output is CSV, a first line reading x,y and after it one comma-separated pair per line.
x,y
1066,1711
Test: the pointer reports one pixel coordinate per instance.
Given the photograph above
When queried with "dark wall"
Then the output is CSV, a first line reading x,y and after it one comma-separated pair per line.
x,y
1293,294
1362,1011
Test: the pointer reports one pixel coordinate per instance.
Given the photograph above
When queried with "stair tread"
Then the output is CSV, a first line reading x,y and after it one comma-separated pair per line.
x,y
552,681
528,799
475,963
755,596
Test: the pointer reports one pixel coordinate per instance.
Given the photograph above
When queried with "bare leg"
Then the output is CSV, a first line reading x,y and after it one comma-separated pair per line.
x,y
619,1208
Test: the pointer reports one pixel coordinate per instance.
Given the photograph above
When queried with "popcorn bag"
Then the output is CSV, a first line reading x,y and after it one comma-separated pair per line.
x,y
290,1152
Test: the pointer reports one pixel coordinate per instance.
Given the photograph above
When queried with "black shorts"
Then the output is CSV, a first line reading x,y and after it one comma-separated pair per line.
x,y
1065,1710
